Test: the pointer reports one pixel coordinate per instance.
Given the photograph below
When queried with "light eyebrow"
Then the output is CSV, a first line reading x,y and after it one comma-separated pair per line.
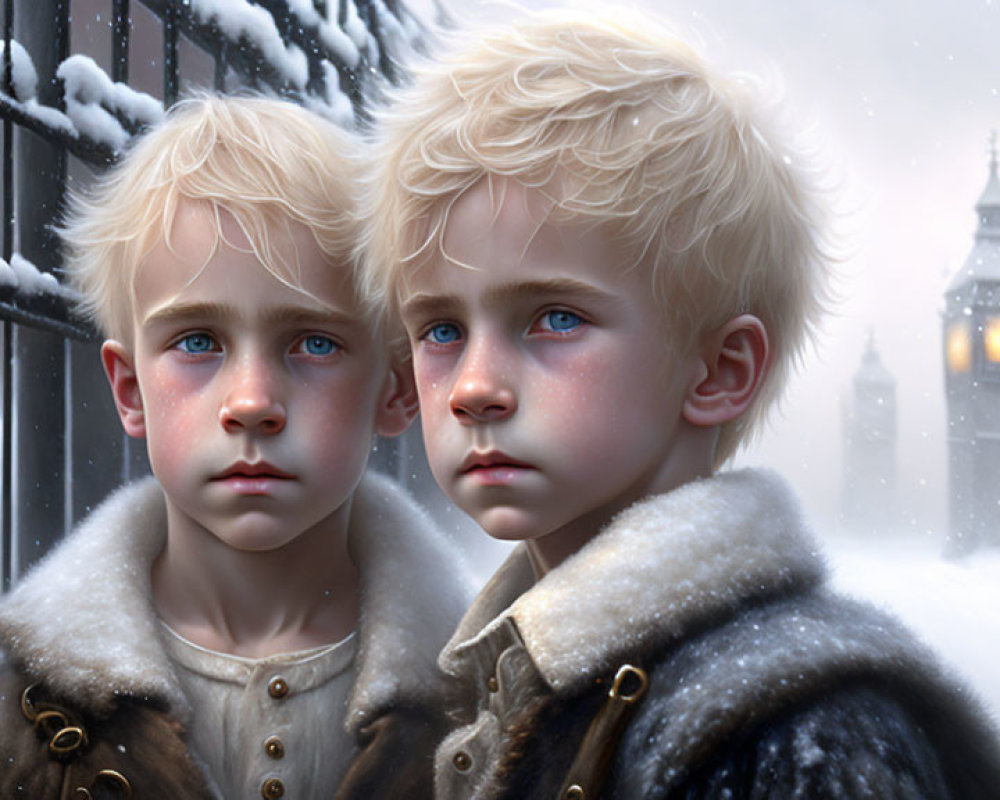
x,y
555,287
423,305
180,312
320,315
279,315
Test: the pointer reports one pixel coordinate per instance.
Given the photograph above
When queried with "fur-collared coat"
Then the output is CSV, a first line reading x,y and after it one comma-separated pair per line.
x,y
82,626
762,683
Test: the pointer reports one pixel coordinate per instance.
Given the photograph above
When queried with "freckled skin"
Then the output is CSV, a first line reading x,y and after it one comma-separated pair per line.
x,y
234,382
546,351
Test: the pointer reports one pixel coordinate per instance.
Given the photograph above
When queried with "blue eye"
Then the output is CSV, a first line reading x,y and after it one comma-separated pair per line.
x,y
443,333
197,343
561,321
317,345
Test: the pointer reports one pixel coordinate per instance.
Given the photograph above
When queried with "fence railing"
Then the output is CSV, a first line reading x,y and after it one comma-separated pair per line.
x,y
79,77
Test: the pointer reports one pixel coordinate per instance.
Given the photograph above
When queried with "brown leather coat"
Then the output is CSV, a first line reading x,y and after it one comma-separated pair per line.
x,y
49,750
106,717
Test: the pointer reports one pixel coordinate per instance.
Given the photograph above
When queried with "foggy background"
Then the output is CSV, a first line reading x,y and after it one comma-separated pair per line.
x,y
907,95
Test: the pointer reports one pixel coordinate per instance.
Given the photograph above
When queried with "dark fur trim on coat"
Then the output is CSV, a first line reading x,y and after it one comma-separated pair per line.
x,y
717,591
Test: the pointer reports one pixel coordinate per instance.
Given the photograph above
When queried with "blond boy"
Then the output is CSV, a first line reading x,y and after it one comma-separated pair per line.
x,y
606,260
261,619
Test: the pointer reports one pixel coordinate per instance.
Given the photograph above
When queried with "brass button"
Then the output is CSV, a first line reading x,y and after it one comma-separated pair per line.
x,y
492,684
574,792
272,789
277,688
274,747
462,761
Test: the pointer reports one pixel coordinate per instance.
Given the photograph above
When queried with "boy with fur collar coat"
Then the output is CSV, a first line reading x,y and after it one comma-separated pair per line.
x,y
606,259
260,619
88,641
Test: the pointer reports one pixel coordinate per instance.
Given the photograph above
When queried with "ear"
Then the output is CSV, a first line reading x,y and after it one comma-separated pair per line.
x,y
734,360
119,365
397,404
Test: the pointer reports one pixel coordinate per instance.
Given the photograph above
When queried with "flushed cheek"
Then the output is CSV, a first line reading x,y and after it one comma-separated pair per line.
x,y
574,400
435,406
338,445
175,403
179,417
586,419
433,384
332,420
175,422
173,433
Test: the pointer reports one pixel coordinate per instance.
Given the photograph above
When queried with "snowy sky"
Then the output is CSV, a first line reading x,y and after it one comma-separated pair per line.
x,y
904,95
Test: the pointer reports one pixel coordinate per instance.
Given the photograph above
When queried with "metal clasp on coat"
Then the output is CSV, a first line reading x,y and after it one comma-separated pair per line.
x,y
637,680
53,723
109,778
593,760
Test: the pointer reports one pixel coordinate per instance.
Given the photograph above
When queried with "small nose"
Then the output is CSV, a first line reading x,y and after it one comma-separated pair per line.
x,y
483,391
252,403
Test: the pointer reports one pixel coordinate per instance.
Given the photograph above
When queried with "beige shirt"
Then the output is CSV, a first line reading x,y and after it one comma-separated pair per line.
x,y
271,727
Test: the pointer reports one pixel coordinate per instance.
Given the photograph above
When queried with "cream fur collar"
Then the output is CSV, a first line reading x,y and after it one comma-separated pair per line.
x,y
660,569
83,617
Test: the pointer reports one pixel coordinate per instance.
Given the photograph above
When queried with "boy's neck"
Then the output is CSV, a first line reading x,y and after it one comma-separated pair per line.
x,y
690,459
256,604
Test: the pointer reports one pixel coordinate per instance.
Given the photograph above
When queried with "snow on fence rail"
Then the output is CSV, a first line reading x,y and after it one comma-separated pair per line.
x,y
100,114
328,67
327,62
32,297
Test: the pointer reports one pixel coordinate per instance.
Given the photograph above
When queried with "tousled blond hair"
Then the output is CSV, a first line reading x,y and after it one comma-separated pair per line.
x,y
267,162
624,126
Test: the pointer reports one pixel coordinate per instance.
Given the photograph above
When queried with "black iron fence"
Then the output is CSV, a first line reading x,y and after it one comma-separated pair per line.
x,y
79,77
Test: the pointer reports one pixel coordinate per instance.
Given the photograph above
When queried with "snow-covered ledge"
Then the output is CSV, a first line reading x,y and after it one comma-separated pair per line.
x,y
32,297
27,280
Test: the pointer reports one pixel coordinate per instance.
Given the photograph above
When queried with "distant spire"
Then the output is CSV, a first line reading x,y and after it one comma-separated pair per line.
x,y
872,370
983,263
991,194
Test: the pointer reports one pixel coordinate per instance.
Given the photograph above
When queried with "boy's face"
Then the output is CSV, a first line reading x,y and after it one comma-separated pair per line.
x,y
258,401
548,396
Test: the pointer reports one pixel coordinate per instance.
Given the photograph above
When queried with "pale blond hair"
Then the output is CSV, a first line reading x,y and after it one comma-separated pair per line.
x,y
624,126
267,162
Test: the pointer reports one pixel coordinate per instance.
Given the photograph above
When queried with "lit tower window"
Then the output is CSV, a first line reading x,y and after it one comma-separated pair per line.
x,y
971,350
991,340
958,348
